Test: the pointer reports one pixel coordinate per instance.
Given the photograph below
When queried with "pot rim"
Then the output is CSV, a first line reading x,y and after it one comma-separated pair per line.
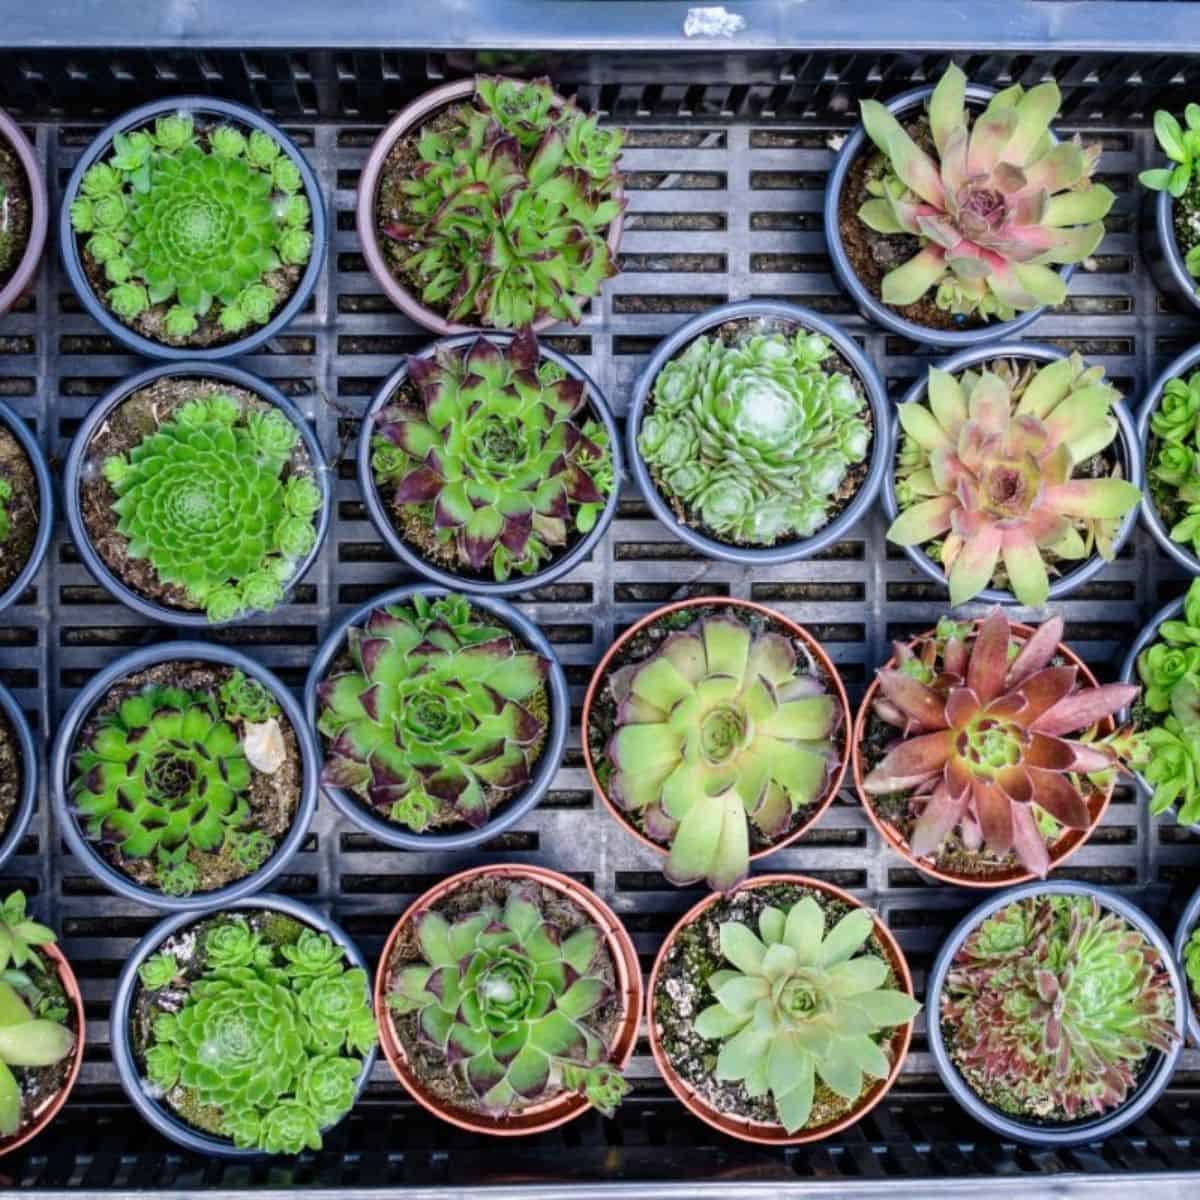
x,y
113,399
1127,439
1177,367
18,822
94,692
837,690
547,766
412,116
557,567
73,261
158,1115
39,213
75,995
874,392
45,486
1172,259
892,837
1081,1131
1188,923
873,308
564,1106
744,1128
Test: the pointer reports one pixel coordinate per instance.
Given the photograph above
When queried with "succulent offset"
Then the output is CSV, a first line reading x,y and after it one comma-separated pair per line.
x,y
1052,1005
504,219
430,722
1191,966
802,1004
33,1030
996,204
984,747
1170,718
498,458
210,499
718,729
5,516
506,995
755,437
1181,145
271,1034
200,219
992,467
1174,474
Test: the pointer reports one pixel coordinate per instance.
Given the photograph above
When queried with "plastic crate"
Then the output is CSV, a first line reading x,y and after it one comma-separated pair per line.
x,y
730,144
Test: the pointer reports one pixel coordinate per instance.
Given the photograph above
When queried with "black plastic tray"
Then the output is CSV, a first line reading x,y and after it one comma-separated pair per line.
x,y
727,159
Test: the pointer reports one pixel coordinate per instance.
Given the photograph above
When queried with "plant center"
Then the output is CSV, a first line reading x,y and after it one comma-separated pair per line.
x,y
981,210
988,745
197,226
171,776
497,444
1008,490
431,717
505,988
800,999
722,732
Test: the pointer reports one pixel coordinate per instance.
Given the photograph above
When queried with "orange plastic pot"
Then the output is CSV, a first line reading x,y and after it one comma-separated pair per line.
x,y
50,1108
771,1134
548,1114
1060,851
409,119
800,634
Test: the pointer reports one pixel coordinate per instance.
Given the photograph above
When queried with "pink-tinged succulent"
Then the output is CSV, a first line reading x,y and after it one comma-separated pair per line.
x,y
999,205
984,746
989,464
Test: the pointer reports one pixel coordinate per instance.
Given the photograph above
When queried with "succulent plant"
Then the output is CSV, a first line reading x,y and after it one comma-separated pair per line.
x,y
244,696
1181,146
802,1004
1174,475
270,1035
717,729
1191,964
755,437
158,971
33,1032
205,229
498,457
983,746
164,771
431,721
991,466
1052,1004
5,516
504,994
505,217
995,208
208,499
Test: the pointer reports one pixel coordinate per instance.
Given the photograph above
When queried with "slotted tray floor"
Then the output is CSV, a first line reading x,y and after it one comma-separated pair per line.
x,y
720,212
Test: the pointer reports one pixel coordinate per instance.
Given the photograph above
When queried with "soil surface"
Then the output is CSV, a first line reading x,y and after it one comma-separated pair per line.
x,y
731,332
538,703
681,993
603,715
40,1085
12,772
151,323
128,425
15,211
22,505
273,799
440,1081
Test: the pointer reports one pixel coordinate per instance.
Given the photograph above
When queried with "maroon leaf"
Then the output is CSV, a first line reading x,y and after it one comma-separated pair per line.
x,y
954,657
961,706
989,657
523,352
1015,783
369,650
995,813
1028,841
919,703
909,763
941,815
1043,689
419,486
1049,753
1083,709
1037,651
514,536
1060,799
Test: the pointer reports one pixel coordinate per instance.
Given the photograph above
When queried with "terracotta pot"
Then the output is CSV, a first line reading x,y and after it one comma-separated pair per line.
x,y
39,210
548,1114
51,1108
796,631
412,116
759,1131
1060,851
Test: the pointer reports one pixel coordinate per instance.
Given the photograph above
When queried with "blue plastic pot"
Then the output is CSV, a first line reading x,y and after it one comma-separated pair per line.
x,y
1086,1129
64,747
45,487
1128,450
18,822
1187,925
1129,674
1161,251
464,583
157,1114
1179,551
907,104
507,816
868,376
99,148
77,458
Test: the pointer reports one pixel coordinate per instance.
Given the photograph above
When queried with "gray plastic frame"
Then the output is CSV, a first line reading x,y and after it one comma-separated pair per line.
x,y
727,158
